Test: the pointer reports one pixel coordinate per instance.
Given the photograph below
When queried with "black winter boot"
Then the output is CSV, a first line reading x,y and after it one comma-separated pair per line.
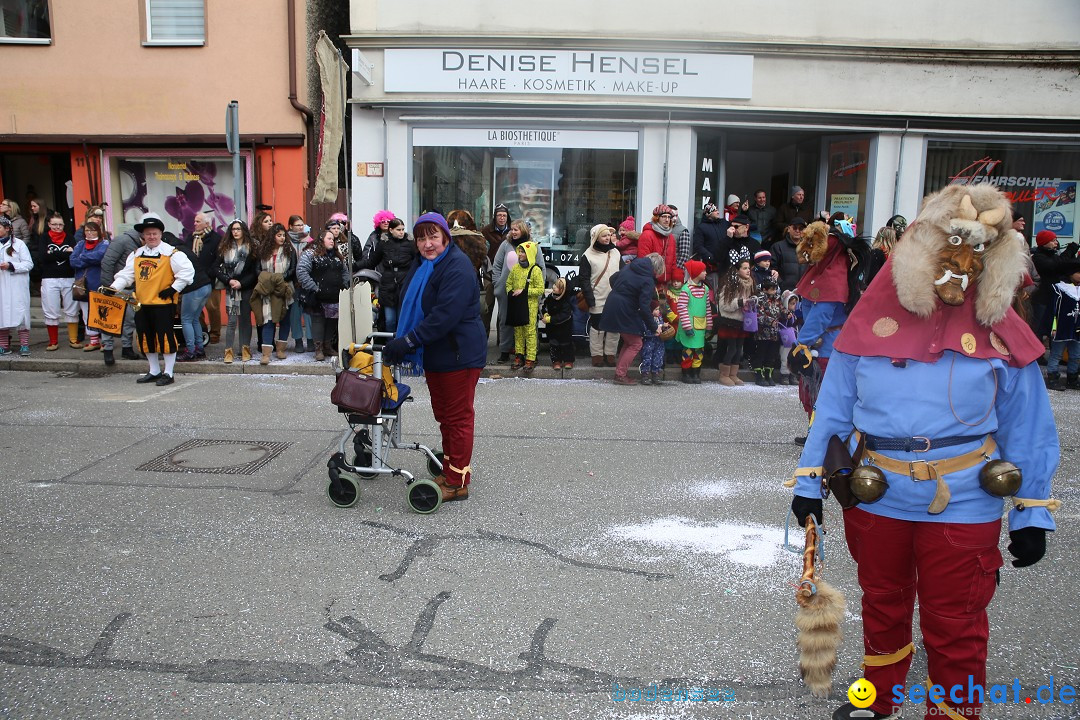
x,y
695,376
684,377
768,376
759,378
1053,381
1073,381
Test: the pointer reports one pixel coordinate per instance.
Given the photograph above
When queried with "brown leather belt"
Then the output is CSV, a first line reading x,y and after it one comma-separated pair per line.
x,y
935,470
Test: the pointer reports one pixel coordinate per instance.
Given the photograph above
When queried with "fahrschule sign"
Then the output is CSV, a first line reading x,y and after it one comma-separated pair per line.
x,y
568,72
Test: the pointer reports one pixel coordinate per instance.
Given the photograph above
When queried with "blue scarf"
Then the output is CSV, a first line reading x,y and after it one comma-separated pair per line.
x,y
412,312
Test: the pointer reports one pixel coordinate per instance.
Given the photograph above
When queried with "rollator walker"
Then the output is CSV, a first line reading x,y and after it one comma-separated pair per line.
x,y
364,448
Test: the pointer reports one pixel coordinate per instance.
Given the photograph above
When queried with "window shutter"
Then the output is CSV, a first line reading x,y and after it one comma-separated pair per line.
x,y
176,20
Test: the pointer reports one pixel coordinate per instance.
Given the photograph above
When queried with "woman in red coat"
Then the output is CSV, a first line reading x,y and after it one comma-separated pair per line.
x,y
657,237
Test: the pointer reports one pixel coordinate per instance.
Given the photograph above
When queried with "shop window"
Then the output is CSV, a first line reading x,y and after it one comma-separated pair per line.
x,y
559,192
174,185
175,22
1039,180
25,21
845,186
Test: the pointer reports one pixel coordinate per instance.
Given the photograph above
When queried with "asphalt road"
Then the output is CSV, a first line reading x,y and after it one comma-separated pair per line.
x,y
615,535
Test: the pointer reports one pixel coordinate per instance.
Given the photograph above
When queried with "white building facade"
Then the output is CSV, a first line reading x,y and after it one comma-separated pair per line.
x,y
575,113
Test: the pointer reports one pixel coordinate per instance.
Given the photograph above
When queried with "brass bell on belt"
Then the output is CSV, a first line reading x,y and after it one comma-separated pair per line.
x,y
868,483
1000,478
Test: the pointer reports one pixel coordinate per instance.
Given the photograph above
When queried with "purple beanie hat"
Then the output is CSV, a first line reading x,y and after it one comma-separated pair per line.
x,y
435,218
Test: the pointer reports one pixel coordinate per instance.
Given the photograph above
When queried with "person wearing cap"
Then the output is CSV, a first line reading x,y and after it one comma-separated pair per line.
x,y
159,272
440,333
15,265
796,206
695,321
732,207
684,245
785,258
763,216
740,245
762,268
495,233
710,236
658,237
1045,258
627,240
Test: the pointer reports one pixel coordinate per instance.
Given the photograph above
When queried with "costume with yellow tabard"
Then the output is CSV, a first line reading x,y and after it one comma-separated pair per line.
x,y
932,377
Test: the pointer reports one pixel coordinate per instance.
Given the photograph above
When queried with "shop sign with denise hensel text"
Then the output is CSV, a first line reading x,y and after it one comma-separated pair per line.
x,y
568,72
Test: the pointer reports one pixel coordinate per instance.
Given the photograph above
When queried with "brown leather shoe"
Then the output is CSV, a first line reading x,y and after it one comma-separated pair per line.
x,y
598,361
609,360
450,493
625,380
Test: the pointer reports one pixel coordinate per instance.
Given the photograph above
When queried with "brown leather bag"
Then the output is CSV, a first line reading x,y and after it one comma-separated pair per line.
x,y
357,393
837,469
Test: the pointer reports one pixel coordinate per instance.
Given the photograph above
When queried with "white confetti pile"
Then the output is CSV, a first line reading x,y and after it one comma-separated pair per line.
x,y
751,545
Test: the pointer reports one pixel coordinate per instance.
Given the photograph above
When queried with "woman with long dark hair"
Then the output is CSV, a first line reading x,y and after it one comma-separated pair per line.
x,y
238,270
323,273
273,293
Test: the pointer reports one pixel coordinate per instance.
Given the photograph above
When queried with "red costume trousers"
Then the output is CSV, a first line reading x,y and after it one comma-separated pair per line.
x,y
950,568
452,395
631,345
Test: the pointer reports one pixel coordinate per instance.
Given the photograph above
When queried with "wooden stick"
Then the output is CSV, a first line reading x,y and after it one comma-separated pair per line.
x,y
806,587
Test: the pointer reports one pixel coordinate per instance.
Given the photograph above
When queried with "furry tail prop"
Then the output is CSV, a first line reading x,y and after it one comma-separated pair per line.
x,y
821,610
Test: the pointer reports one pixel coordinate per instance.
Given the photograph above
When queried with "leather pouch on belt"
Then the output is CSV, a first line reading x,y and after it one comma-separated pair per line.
x,y
836,469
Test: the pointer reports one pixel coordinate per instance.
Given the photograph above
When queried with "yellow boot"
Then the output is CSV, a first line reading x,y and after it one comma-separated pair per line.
x,y
73,336
245,354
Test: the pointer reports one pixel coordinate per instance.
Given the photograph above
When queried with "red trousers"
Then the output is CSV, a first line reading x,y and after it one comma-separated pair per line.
x,y
452,395
950,568
631,345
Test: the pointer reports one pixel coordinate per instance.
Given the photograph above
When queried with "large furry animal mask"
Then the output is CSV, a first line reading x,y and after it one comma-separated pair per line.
x,y
961,240
814,243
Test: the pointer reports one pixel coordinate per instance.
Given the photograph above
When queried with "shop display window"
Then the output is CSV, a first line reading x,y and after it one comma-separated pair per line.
x,y
560,192
1039,179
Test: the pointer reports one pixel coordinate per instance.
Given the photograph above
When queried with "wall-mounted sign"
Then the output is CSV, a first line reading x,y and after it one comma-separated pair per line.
x,y
525,137
370,169
568,72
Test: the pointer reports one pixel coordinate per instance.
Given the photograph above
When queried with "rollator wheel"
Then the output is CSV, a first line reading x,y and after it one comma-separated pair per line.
x,y
344,492
436,468
424,496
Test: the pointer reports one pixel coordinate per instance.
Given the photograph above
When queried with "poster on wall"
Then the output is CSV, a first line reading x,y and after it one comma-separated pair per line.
x,y
175,187
847,203
1055,209
527,188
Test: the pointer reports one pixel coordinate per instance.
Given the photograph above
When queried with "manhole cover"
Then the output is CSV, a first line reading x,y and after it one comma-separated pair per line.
x,y
223,457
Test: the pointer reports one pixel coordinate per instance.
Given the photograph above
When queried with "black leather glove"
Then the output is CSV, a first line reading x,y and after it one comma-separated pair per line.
x,y
395,351
167,293
804,506
1028,546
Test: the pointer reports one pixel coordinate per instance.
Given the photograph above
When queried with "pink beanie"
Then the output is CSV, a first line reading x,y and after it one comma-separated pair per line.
x,y
382,215
340,216
628,224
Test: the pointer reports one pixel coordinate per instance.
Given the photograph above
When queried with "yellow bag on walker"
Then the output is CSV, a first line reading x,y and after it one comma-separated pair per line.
x,y
106,313
362,360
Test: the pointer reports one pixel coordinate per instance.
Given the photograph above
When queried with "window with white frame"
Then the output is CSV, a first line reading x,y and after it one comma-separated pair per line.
x,y
25,21
175,22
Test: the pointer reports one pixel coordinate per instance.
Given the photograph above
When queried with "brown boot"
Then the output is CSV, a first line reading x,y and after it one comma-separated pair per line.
x,y
319,357
228,355
279,349
609,360
598,361
733,373
265,359
723,378
530,365
245,354
450,493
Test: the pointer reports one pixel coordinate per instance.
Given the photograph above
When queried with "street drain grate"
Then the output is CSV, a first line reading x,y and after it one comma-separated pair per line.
x,y
217,457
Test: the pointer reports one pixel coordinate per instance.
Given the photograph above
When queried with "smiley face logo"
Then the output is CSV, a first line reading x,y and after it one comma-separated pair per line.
x,y
862,693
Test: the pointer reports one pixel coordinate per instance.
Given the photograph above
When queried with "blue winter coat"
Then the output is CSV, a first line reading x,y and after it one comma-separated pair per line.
x,y
629,305
451,332
88,262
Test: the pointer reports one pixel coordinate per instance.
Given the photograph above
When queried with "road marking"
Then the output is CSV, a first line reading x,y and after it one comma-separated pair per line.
x,y
166,391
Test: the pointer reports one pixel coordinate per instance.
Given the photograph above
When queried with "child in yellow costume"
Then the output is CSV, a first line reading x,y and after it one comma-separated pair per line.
x,y
524,288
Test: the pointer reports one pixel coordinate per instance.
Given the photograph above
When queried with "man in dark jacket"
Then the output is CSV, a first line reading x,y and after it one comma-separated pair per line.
x,y
115,257
764,217
710,236
784,258
797,206
494,233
